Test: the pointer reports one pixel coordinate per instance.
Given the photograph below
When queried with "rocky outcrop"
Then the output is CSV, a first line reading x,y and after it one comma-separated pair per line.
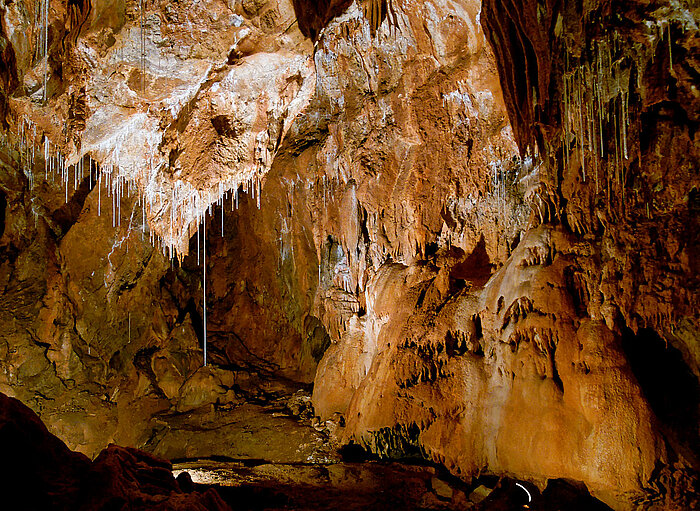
x,y
40,472
500,308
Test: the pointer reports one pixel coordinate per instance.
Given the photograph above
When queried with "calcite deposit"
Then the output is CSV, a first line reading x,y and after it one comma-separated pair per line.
x,y
459,230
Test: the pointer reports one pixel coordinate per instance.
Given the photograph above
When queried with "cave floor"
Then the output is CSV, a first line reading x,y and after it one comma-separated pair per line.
x,y
372,485
271,454
251,485
265,450
268,452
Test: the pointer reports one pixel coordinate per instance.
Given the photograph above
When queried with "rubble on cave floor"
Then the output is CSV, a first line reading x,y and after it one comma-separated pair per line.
x,y
365,485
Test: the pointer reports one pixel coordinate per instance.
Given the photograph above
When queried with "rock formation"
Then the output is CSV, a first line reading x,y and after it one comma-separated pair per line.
x,y
473,227
40,472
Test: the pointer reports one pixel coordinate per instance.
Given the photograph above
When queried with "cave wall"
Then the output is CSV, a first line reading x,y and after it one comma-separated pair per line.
x,y
475,242
102,328
518,361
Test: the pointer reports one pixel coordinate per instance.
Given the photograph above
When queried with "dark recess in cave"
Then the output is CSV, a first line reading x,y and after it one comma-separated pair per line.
x,y
662,116
3,207
67,215
577,290
314,16
693,201
354,453
317,337
195,317
670,387
475,268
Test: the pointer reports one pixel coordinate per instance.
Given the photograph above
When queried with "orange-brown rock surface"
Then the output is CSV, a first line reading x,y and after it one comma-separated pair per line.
x,y
473,227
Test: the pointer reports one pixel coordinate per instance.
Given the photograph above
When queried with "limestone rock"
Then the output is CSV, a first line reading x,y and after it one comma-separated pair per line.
x,y
441,489
479,494
40,472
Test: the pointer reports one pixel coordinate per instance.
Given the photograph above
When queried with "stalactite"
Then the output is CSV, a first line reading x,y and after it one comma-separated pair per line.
x,y
204,285
595,112
186,203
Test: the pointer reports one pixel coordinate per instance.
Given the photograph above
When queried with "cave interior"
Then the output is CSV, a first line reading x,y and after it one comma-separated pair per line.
x,y
349,254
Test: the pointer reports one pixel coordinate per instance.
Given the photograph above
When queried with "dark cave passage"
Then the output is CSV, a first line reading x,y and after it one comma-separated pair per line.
x,y
671,388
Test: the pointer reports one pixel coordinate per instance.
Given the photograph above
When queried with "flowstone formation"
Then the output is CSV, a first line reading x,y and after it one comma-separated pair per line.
x,y
472,227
